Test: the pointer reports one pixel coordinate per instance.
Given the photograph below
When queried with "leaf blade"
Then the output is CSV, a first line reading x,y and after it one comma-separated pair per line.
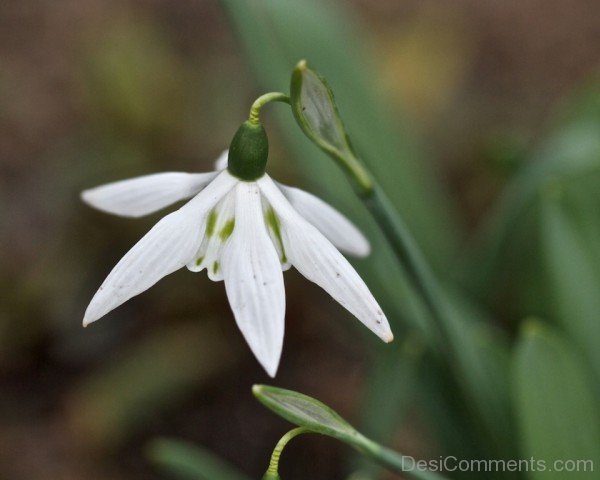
x,y
189,462
556,406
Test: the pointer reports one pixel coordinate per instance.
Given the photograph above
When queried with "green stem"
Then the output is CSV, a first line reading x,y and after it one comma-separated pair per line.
x,y
261,101
443,340
362,182
274,463
413,261
396,462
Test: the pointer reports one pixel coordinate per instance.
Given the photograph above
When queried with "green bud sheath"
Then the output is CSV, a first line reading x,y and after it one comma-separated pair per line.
x,y
248,152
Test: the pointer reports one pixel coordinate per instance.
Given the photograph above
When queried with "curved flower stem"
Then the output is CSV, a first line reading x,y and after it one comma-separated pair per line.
x,y
393,461
274,463
261,101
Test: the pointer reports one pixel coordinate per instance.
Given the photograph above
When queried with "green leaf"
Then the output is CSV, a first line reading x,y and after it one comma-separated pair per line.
x,y
571,150
555,403
483,354
139,382
473,402
581,201
572,281
392,385
305,411
188,462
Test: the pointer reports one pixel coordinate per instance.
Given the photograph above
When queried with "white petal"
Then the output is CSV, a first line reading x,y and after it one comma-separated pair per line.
x,y
140,196
221,220
222,161
318,260
254,280
168,246
331,223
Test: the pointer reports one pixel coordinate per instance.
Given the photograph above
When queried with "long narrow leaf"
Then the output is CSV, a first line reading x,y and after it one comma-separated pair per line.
x,y
572,149
573,283
184,461
556,404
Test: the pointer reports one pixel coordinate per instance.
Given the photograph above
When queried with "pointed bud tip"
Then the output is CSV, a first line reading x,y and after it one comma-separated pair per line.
x,y
302,65
257,390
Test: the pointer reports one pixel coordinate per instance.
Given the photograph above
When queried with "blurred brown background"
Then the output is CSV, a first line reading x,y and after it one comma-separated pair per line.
x,y
93,91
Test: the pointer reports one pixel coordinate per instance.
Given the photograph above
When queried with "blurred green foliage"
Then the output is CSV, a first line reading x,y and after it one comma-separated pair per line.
x,y
187,462
556,405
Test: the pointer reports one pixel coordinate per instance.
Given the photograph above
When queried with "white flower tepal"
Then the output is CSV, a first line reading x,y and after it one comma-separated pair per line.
x,y
245,233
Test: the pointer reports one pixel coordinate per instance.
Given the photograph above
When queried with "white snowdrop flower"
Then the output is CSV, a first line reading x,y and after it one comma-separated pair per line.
x,y
242,228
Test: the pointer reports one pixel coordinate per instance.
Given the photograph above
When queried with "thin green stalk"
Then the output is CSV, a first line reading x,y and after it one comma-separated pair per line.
x,y
273,469
426,284
412,259
261,101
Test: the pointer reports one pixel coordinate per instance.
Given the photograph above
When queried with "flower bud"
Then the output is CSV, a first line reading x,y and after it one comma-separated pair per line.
x,y
315,112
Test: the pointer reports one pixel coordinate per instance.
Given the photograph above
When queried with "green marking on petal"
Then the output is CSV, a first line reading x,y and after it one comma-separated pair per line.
x,y
199,261
215,267
273,223
227,230
211,222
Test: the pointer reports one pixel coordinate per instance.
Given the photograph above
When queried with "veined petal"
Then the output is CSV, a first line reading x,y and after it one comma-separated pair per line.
x,y
336,227
274,229
140,196
254,280
168,246
318,260
218,228
221,162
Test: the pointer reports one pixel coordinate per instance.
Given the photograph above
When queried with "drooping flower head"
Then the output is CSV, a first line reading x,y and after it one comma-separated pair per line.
x,y
244,229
